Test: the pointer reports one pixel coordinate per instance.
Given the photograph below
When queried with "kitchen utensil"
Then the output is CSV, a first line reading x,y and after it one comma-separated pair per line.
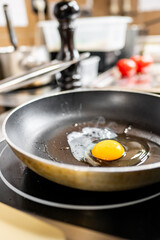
x,y
66,12
29,128
23,59
18,59
126,7
129,49
16,82
86,8
40,6
11,31
114,7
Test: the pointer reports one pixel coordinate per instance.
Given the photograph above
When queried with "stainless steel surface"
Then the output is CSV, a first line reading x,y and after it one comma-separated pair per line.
x,y
11,31
2,118
12,100
16,82
131,40
15,62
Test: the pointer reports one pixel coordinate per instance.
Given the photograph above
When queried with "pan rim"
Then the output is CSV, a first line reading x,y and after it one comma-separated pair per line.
x,y
71,166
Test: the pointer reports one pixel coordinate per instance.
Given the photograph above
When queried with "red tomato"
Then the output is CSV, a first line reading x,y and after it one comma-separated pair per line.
x,y
127,67
143,62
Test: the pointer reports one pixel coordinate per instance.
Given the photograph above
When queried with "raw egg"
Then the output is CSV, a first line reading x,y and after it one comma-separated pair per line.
x,y
103,147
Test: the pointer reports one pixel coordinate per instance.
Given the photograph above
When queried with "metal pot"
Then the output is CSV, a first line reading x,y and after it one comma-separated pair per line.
x,y
15,62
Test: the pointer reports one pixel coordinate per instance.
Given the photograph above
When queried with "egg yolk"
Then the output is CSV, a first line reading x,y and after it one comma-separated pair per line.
x,y
108,150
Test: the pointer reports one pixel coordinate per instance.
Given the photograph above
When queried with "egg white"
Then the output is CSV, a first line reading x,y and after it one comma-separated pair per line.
x,y
79,142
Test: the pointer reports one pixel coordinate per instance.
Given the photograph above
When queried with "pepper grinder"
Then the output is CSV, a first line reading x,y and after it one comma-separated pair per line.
x,y
66,12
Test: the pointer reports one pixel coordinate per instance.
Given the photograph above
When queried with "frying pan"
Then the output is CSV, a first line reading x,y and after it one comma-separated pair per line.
x,y
29,128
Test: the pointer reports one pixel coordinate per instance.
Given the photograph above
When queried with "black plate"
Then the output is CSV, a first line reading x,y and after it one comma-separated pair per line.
x,y
28,184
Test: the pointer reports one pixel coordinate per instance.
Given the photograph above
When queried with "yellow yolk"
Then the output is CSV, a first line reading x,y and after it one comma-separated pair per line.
x,y
108,150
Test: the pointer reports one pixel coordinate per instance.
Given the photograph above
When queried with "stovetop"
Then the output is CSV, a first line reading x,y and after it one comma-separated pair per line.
x,y
130,214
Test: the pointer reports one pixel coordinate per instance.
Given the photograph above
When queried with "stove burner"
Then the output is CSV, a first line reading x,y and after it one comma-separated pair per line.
x,y
29,185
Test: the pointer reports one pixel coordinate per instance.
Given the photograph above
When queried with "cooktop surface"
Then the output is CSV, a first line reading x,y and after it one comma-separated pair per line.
x,y
28,184
129,214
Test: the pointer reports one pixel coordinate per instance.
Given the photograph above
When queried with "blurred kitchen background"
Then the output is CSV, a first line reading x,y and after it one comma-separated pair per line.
x,y
108,29
145,13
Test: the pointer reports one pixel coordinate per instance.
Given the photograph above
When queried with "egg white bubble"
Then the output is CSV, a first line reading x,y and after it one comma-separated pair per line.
x,y
79,141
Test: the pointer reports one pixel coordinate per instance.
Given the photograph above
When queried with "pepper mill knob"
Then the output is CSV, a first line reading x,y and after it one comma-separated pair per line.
x,y
66,12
